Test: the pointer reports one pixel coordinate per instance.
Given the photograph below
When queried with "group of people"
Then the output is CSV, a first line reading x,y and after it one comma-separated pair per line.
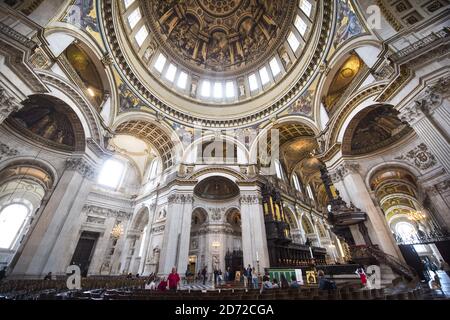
x,y
283,283
172,282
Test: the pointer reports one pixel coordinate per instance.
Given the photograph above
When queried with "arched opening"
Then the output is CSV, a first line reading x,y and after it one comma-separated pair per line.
x,y
341,80
413,226
85,73
138,241
23,187
50,122
373,128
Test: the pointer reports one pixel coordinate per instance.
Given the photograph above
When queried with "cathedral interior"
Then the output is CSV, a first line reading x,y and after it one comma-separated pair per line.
x,y
292,137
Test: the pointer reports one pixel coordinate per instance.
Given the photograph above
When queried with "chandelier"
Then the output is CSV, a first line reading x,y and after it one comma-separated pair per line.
x,y
416,216
117,231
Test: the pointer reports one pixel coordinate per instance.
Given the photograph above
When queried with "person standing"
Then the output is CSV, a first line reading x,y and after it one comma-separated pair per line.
x,y
248,274
204,272
173,279
362,275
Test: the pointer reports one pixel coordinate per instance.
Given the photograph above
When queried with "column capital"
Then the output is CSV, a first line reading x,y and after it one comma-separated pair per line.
x,y
180,198
8,104
428,101
250,199
80,165
343,170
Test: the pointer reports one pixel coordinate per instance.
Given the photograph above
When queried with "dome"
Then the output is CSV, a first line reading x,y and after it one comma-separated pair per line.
x,y
211,62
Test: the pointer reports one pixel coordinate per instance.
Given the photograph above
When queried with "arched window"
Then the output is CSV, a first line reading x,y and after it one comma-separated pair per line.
x,y
310,192
405,230
12,219
144,237
279,170
296,182
153,169
111,174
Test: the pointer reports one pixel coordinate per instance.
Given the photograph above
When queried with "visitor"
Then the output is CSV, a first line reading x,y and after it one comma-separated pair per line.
x,y
284,282
216,276
173,279
248,275
48,276
187,275
266,283
204,272
220,276
137,275
445,267
324,283
362,275
255,280
294,283
129,276
150,284
228,275
162,286
275,284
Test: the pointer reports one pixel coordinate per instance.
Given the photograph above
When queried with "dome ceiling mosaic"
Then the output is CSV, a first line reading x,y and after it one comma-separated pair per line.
x,y
219,63
224,37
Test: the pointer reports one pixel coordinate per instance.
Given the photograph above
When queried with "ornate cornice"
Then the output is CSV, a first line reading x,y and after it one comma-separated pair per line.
x,y
106,212
81,166
6,151
8,104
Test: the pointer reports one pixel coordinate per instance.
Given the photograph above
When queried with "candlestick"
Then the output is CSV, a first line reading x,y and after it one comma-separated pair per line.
x,y
257,257
310,250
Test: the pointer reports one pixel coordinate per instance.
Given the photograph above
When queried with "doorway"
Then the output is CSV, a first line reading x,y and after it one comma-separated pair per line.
x,y
84,251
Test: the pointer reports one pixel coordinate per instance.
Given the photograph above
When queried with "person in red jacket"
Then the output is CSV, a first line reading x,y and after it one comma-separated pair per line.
x,y
173,279
162,285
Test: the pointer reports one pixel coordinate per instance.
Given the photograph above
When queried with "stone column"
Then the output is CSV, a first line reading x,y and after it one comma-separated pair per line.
x,y
429,116
53,239
254,238
175,250
439,203
377,229
8,105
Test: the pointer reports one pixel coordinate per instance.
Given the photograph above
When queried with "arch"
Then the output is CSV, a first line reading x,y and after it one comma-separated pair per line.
x,y
380,128
228,173
216,188
162,139
92,48
49,121
199,216
141,219
389,164
37,169
336,60
307,225
289,128
292,218
64,90
190,150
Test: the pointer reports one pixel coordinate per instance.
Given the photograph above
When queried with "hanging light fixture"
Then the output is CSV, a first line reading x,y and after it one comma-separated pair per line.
x,y
416,216
117,231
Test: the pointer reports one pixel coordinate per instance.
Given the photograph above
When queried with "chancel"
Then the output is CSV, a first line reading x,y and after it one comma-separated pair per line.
x,y
224,150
